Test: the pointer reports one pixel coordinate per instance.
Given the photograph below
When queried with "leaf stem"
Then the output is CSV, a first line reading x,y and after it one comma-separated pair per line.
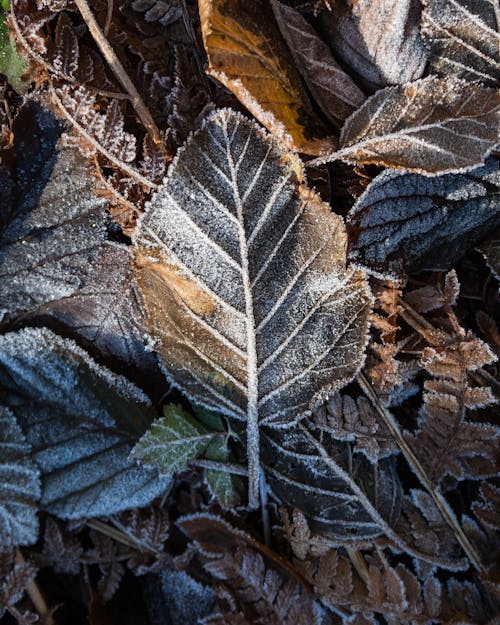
x,y
119,71
36,597
419,470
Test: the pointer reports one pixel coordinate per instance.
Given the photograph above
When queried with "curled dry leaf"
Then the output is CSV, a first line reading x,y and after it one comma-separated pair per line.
x,y
247,55
463,38
95,417
242,269
416,222
333,89
431,126
19,485
378,40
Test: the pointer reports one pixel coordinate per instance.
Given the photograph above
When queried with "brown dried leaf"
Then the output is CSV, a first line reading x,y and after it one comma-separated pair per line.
x,y
446,443
463,38
247,55
378,40
431,126
334,91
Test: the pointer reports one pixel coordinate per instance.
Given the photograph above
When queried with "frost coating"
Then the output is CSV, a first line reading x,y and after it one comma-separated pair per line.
x,y
81,421
19,485
45,253
242,270
420,222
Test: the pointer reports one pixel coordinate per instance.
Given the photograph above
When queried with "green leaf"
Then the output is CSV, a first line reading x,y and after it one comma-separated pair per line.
x,y
11,64
172,441
224,485
81,421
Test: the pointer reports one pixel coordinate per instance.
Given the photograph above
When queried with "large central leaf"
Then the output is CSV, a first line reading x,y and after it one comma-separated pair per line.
x,y
243,274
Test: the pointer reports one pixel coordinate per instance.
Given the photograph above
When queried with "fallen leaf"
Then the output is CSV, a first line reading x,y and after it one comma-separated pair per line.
x,y
242,270
463,38
431,126
247,54
490,249
378,40
95,417
19,485
333,89
416,222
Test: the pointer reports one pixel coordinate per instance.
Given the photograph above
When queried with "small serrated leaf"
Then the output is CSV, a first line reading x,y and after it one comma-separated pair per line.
x,y
19,485
81,421
172,441
222,483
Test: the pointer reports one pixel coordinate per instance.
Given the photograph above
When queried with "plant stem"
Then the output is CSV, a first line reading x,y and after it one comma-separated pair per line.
x,y
419,470
36,597
119,71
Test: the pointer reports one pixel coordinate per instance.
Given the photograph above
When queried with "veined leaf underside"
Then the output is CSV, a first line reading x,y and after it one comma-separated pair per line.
x,y
243,274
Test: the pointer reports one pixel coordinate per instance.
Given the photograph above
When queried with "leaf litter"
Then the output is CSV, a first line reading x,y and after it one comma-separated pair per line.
x,y
363,426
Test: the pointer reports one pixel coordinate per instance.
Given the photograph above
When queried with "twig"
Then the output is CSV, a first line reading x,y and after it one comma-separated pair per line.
x,y
53,70
419,470
109,17
119,71
133,173
36,597
119,536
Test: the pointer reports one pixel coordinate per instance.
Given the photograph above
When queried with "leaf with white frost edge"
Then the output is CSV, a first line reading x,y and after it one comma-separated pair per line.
x,y
414,222
19,485
430,126
81,421
463,38
242,270
46,251
335,92
172,441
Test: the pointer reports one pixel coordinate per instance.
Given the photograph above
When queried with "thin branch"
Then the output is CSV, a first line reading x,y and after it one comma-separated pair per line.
x,y
119,71
120,536
53,70
133,173
36,597
419,470
109,17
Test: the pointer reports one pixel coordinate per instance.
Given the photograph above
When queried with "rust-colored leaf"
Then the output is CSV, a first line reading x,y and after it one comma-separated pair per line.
x,y
247,55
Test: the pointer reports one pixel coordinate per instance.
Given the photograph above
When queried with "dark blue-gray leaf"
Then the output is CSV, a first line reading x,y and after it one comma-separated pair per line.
x,y
420,223
81,421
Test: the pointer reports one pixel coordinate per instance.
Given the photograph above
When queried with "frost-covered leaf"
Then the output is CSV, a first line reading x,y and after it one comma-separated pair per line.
x,y
242,269
342,494
19,485
333,89
223,484
15,577
419,222
172,441
433,126
463,38
265,592
446,441
46,251
106,310
378,40
247,55
490,249
81,421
